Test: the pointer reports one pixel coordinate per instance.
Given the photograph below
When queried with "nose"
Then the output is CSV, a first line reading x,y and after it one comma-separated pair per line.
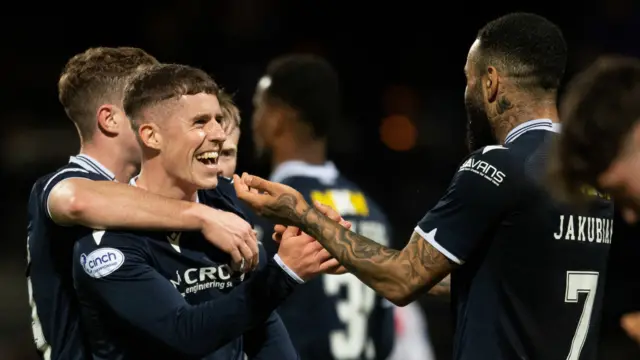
x,y
216,133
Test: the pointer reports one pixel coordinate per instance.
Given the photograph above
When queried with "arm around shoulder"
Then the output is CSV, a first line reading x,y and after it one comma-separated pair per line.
x,y
111,205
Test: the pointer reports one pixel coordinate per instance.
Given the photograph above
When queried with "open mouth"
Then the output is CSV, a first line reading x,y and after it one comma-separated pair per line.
x,y
209,158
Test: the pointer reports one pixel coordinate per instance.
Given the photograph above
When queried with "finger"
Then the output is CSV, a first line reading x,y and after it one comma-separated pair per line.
x,y
238,184
256,182
246,252
279,228
255,201
340,270
255,261
236,259
336,270
290,232
346,224
329,264
324,255
328,211
252,242
277,237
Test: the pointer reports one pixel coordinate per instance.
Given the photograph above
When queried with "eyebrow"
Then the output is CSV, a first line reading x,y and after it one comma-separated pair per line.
x,y
203,116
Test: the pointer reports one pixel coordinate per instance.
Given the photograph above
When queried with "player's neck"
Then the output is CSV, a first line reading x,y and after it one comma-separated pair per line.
x,y
112,159
154,178
313,153
520,113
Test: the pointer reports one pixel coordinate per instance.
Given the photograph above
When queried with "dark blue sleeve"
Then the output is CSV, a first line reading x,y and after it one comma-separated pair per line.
x,y
484,188
64,174
117,274
382,327
270,341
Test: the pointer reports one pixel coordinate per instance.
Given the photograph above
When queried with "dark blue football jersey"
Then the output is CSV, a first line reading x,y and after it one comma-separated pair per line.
x,y
172,295
335,316
531,280
54,307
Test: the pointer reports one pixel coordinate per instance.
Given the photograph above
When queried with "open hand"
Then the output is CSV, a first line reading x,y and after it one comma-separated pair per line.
x,y
278,202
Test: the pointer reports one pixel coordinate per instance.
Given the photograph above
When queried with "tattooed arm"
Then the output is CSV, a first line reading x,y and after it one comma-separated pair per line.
x,y
472,206
399,276
443,288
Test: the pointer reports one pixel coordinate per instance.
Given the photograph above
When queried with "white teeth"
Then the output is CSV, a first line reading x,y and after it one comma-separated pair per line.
x,y
208,155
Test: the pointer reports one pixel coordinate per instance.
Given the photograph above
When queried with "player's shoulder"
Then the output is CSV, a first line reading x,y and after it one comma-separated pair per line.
x,y
47,182
96,239
100,253
503,154
497,164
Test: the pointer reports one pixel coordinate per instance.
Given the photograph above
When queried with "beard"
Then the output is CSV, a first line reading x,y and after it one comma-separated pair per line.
x,y
479,131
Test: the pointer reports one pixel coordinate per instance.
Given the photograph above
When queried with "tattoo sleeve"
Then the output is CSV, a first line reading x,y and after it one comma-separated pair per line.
x,y
399,276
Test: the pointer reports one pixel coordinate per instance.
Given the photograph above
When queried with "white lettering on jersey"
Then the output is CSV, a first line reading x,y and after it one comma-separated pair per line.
x,y
102,262
194,280
485,170
584,228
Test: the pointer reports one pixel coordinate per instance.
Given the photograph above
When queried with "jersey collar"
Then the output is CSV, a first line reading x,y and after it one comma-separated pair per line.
x,y
537,124
90,164
326,173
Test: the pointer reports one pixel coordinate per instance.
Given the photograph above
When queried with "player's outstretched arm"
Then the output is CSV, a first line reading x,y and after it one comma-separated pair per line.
x,y
397,275
111,205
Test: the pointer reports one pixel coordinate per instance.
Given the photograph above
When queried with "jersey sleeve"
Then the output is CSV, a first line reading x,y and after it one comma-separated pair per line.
x,y
270,341
481,192
60,176
115,272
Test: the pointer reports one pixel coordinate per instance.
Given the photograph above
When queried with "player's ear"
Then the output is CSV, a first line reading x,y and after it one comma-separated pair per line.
x,y
491,82
150,135
106,117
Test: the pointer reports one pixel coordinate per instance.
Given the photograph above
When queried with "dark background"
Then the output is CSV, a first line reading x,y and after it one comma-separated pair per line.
x,y
401,61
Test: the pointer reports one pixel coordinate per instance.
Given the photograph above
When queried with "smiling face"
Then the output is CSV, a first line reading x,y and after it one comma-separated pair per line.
x,y
188,139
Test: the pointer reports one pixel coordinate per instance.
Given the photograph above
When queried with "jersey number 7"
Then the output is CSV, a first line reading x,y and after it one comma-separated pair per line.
x,y
581,282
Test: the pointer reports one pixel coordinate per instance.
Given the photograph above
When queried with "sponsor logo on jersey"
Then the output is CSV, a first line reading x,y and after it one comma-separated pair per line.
x,y
484,169
193,280
102,262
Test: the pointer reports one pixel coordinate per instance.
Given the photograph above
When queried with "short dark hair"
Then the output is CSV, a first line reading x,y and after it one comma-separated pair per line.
x,y
163,82
528,47
598,111
229,109
95,77
310,86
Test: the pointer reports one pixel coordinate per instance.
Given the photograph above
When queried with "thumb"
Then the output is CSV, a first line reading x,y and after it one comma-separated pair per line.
x,y
238,184
243,193
256,182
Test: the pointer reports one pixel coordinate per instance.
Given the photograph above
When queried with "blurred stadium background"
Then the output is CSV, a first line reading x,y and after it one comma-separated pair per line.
x,y
401,66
